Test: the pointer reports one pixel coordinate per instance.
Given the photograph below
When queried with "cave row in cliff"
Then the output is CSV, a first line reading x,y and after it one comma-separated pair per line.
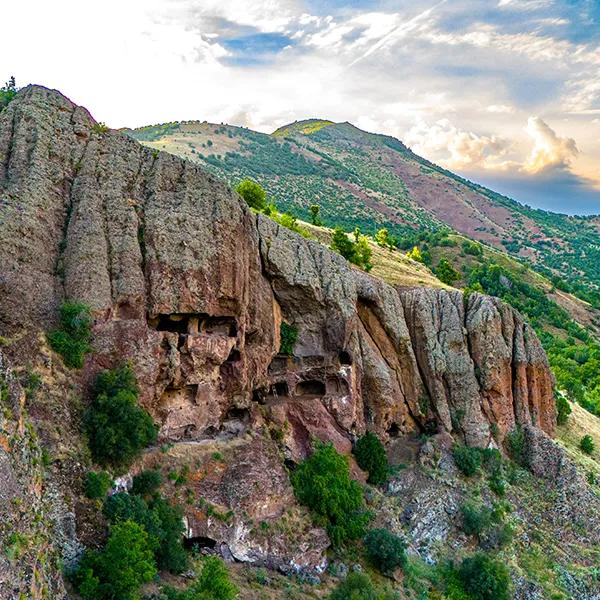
x,y
194,324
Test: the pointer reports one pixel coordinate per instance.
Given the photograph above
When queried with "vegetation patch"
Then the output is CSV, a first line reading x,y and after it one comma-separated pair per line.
x,y
72,339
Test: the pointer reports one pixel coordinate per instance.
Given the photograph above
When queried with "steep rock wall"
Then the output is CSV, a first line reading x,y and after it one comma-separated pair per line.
x,y
191,286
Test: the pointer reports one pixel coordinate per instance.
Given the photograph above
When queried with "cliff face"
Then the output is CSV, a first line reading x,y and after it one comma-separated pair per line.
x,y
192,287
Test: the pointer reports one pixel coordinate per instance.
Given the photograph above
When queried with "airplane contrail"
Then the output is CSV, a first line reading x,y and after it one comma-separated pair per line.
x,y
403,28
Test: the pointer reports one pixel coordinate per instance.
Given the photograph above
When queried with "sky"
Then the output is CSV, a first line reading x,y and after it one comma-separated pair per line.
x,y
504,92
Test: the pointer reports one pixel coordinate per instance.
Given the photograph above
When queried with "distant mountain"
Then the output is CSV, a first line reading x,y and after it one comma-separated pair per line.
x,y
372,181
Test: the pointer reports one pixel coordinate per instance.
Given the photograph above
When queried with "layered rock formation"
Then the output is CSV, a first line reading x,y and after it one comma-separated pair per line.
x,y
192,287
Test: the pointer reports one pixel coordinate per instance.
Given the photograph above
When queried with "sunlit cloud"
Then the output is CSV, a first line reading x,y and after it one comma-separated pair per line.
x,y
550,151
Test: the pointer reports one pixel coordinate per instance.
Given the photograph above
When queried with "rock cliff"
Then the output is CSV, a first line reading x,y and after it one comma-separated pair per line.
x,y
192,287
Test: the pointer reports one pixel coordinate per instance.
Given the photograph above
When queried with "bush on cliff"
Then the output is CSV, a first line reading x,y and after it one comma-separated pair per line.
x,y
563,410
213,583
358,252
72,339
7,93
468,460
358,586
385,550
120,569
161,520
288,335
485,578
146,483
322,482
253,193
370,456
446,273
97,484
116,427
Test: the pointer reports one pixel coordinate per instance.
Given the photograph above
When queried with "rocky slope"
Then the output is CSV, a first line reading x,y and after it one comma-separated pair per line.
x,y
192,287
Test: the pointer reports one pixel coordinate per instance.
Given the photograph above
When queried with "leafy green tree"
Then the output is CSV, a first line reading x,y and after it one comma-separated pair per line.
x,y
315,217
476,518
446,273
146,483
8,92
72,339
485,578
97,484
118,571
363,253
117,428
370,456
342,244
322,482
587,444
385,550
253,193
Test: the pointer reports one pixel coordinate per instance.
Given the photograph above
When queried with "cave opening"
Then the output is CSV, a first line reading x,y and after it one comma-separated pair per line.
x,y
199,541
259,395
393,430
172,323
345,358
280,388
237,414
234,356
310,387
289,464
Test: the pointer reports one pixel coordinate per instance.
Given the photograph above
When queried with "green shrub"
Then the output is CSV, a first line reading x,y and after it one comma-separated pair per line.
x,y
485,578
100,128
72,339
322,482
370,456
118,571
516,446
315,218
446,273
7,93
288,338
146,483
213,583
587,444
468,460
116,427
475,518
161,520
253,193
563,409
358,586
97,484
357,252
385,550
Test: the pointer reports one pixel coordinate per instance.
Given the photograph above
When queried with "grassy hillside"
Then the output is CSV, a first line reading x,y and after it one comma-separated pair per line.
x,y
371,181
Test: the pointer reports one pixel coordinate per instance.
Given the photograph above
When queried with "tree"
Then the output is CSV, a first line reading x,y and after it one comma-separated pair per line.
x,y
363,253
485,578
322,482
341,244
253,193
415,254
446,273
358,586
315,218
587,444
118,571
72,339
383,239
563,410
116,427
385,550
370,456
288,336
8,92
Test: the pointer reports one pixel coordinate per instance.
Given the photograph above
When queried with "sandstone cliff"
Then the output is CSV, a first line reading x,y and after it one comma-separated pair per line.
x,y
191,286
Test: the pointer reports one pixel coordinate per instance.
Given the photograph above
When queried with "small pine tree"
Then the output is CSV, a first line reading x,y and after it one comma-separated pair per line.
x,y
341,244
563,410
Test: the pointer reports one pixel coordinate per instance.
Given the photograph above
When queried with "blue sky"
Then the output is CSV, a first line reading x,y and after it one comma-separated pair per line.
x,y
506,92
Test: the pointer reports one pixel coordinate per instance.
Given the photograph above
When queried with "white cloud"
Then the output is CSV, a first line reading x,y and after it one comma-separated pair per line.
x,y
502,109
550,151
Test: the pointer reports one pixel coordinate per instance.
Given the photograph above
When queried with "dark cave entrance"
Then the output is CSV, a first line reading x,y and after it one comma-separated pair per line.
x,y
345,358
194,543
310,387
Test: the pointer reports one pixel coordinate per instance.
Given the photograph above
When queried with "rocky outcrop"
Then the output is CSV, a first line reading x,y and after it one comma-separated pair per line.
x,y
189,284
192,287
